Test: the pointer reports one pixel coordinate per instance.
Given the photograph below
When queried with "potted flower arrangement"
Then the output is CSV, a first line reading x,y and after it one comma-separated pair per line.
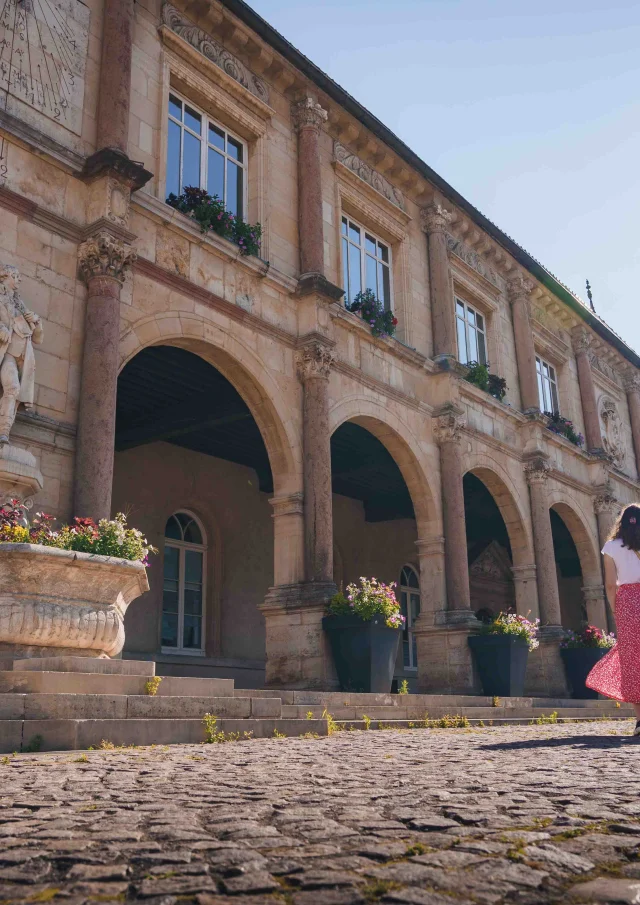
x,y
501,650
564,428
211,214
580,651
65,590
381,320
364,627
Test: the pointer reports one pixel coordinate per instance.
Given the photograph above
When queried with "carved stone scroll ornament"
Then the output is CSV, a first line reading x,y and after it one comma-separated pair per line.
x,y
472,259
612,439
314,361
104,255
20,329
308,114
214,51
434,218
376,180
537,471
448,426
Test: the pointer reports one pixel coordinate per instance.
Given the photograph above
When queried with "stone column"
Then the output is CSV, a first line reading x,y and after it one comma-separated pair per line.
x,y
308,117
545,673
581,339
595,603
288,538
115,75
526,590
607,509
632,386
104,260
445,664
434,220
447,430
518,290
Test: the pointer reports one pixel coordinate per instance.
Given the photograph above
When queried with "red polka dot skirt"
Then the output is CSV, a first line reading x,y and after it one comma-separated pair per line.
x,y
617,675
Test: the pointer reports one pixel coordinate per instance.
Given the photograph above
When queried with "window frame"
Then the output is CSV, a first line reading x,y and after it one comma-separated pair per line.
x,y
458,300
552,381
182,547
345,264
408,627
206,121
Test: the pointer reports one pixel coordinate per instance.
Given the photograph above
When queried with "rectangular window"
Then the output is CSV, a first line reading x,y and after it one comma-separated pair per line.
x,y
366,263
547,386
470,329
202,154
182,603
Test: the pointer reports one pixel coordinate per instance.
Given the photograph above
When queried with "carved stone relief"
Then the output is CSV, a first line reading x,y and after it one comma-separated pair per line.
x,y
214,51
376,180
43,55
612,439
472,259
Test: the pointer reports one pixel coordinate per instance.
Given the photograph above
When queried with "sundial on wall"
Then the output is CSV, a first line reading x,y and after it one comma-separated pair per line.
x,y
43,52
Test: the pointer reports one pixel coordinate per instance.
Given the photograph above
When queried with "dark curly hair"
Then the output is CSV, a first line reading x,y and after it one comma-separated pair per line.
x,y
627,527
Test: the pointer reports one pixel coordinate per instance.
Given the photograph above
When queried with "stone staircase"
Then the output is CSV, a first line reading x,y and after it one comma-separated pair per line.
x,y
73,703
69,703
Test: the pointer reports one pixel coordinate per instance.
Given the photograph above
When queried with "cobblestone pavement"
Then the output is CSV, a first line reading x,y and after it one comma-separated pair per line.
x,y
432,817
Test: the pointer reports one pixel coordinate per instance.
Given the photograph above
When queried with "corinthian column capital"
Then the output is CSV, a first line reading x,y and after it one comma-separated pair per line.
x,y
632,382
581,340
308,114
314,360
537,471
104,255
606,502
434,219
519,287
448,425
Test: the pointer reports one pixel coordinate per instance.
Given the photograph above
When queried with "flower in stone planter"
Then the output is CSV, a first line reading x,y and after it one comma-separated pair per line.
x,y
368,599
513,624
590,636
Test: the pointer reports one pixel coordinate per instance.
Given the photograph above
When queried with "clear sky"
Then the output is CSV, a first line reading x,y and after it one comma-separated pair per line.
x,y
530,110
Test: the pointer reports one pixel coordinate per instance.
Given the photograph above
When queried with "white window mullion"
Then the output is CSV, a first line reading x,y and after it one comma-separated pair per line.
x,y
181,601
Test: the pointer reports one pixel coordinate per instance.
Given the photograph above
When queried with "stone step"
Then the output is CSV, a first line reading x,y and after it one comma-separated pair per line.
x,y
296,711
36,682
72,735
14,706
102,665
473,721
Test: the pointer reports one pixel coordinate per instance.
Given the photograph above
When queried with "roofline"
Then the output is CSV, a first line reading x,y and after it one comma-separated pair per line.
x,y
272,37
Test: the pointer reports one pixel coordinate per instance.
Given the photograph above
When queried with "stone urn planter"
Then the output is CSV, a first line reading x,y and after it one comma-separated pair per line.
x,y
364,652
58,602
578,663
502,663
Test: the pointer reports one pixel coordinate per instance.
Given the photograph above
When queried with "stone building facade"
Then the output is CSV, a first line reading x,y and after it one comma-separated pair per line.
x,y
264,439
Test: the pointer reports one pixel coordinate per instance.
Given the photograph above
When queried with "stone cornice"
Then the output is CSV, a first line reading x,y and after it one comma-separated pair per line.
x,y
35,140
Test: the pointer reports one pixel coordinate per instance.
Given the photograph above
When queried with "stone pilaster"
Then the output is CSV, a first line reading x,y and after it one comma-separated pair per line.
x,y
434,220
308,118
632,386
103,262
519,290
581,340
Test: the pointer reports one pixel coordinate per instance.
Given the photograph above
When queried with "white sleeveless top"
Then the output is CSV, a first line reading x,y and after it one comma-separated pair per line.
x,y
626,560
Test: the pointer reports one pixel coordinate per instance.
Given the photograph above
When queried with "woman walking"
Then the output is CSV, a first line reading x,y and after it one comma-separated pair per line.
x,y
617,675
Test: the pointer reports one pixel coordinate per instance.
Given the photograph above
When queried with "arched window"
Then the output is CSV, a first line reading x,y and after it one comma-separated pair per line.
x,y
410,606
183,589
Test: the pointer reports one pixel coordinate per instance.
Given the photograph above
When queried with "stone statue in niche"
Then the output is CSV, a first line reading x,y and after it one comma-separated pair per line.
x,y
19,330
612,440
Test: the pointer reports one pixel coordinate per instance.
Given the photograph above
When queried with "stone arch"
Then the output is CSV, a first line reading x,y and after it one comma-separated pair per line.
x,y
243,368
578,525
399,440
503,491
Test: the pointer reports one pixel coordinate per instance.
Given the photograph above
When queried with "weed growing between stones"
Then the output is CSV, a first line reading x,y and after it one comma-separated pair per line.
x,y
215,736
152,685
376,889
332,725
83,759
309,715
277,734
404,687
495,701
543,719
366,720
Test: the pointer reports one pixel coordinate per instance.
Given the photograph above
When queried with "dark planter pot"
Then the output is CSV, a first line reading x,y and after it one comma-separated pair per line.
x,y
364,652
501,662
578,663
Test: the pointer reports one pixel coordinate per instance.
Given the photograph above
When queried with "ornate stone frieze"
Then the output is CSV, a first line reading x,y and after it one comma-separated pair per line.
x,y
314,360
472,259
308,114
448,426
434,218
103,255
612,440
376,180
605,368
537,470
519,287
214,51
